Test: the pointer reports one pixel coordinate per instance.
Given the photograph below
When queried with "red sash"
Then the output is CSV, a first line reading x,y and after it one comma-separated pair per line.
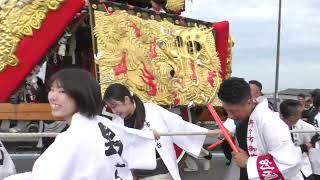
x,y
267,168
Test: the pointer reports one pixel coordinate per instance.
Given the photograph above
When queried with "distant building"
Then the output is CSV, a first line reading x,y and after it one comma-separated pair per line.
x,y
292,93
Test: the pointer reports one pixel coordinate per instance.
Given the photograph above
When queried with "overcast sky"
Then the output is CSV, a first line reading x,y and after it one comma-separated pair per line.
x,y
253,25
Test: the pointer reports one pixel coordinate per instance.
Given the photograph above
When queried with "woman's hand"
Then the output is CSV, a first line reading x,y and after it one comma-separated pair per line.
x,y
215,133
309,146
156,134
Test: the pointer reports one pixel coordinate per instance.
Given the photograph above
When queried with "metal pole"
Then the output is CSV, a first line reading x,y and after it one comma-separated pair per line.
x,y
277,61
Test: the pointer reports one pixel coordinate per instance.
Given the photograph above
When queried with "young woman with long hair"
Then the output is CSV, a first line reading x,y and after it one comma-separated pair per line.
x,y
132,112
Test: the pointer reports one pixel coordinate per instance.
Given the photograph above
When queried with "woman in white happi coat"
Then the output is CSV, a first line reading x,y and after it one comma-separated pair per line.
x,y
290,113
131,112
92,148
267,149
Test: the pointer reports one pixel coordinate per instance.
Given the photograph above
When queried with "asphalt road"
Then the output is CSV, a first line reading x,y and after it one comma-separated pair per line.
x,y
216,172
217,169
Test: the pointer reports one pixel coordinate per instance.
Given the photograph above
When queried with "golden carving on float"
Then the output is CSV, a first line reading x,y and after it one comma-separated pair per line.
x,y
17,20
175,5
229,58
159,61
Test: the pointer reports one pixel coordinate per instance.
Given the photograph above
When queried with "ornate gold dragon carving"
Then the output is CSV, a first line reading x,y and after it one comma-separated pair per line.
x,y
159,61
17,19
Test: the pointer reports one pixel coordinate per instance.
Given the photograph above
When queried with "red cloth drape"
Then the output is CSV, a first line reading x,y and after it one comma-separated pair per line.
x,y
32,49
221,38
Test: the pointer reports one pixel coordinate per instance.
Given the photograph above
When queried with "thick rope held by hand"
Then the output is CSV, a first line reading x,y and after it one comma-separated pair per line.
x,y
41,135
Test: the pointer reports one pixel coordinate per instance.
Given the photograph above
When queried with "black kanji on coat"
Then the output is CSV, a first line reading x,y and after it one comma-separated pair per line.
x,y
116,175
159,145
113,146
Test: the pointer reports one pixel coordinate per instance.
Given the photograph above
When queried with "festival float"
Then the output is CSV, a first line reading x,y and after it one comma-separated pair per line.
x,y
160,55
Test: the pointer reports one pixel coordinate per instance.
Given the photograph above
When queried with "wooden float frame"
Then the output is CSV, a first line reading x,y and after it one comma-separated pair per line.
x,y
26,111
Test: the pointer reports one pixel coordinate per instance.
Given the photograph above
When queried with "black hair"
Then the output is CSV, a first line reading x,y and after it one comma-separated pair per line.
x,y
302,95
316,101
257,83
315,92
81,86
234,91
41,93
289,107
161,3
118,92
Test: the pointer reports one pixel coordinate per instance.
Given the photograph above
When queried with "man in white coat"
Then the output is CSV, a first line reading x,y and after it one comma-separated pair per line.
x,y
256,93
267,151
314,155
290,113
316,105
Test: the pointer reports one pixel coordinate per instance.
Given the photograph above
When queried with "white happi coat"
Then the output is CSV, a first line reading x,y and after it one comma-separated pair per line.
x,y
302,138
7,167
94,149
163,121
230,125
314,155
271,150
317,118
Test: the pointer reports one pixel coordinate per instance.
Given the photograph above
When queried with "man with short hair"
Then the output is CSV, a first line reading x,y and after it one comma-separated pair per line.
x,y
256,93
290,113
311,113
255,88
267,151
302,99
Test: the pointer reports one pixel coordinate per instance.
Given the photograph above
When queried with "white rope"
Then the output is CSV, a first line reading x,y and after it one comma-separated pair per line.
x,y
40,135
106,113
206,133
305,131
183,134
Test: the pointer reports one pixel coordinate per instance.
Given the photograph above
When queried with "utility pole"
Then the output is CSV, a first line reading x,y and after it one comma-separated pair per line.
x,y
275,96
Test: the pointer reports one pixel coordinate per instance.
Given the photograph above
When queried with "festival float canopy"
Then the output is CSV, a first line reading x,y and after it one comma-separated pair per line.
x,y
162,57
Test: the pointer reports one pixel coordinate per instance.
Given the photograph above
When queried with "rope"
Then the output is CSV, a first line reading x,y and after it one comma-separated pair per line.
x,y
206,133
40,135
305,131
183,134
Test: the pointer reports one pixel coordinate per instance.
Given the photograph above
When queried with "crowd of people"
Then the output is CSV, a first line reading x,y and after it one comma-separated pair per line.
x,y
268,128
130,145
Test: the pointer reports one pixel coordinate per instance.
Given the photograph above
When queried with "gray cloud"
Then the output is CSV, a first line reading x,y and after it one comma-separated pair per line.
x,y
253,25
